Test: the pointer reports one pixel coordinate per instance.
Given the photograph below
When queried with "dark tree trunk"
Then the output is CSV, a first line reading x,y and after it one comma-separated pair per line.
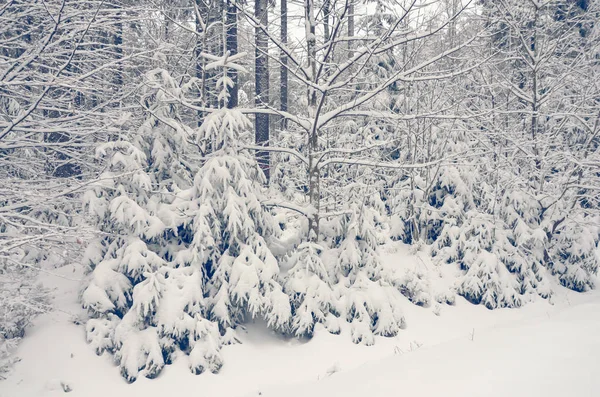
x,y
118,43
232,47
200,44
326,12
350,26
283,94
261,67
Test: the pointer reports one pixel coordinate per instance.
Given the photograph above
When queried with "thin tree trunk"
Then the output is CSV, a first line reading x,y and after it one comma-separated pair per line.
x,y
538,178
314,187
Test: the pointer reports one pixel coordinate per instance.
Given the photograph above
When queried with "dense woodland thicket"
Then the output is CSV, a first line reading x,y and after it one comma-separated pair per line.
x,y
221,160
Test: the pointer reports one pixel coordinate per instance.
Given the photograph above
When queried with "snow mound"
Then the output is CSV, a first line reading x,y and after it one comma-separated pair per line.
x,y
552,355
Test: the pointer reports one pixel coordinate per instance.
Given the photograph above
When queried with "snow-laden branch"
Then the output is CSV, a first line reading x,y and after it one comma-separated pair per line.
x,y
380,164
305,124
293,152
305,211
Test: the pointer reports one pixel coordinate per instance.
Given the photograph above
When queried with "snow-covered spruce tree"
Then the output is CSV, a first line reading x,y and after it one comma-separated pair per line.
x,y
309,286
481,230
130,260
185,258
574,253
229,228
223,213
365,292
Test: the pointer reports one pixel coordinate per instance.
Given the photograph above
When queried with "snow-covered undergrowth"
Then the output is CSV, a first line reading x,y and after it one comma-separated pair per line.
x,y
544,348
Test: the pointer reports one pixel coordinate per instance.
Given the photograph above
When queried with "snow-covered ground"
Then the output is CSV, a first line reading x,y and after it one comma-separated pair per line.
x,y
539,350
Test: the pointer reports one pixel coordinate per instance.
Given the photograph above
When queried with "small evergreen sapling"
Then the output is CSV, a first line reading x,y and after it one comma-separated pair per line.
x,y
364,289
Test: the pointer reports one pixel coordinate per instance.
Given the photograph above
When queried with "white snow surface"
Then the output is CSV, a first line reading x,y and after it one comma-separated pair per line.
x,y
543,349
